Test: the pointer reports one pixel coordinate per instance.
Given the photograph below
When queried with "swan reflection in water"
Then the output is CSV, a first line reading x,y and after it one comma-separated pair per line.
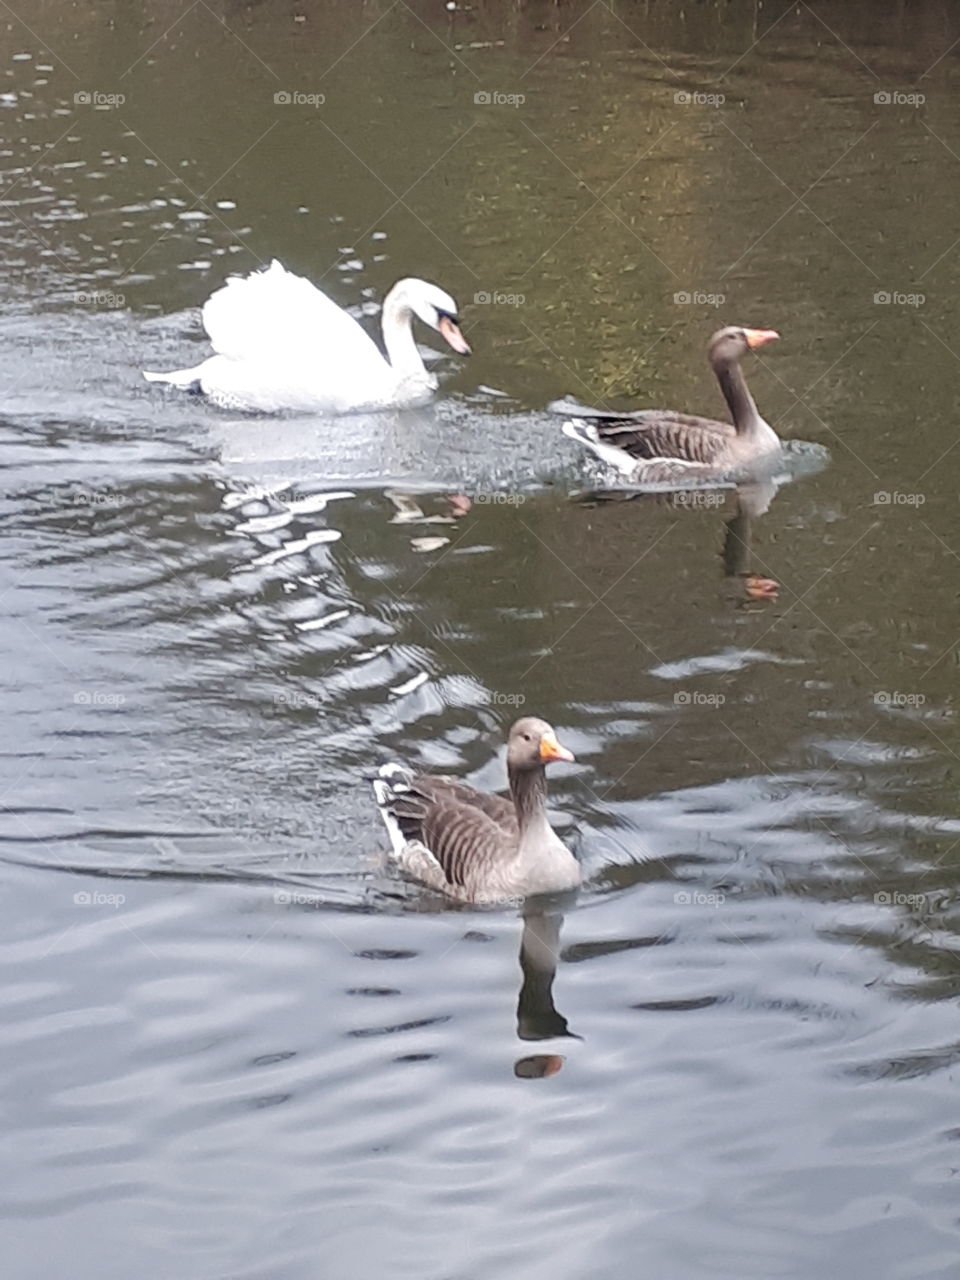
x,y
537,1016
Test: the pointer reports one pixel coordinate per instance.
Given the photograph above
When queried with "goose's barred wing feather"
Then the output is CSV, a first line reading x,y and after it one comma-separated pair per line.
x,y
466,831
661,434
441,788
467,843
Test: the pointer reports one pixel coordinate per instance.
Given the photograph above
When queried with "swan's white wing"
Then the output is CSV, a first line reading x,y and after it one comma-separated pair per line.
x,y
275,315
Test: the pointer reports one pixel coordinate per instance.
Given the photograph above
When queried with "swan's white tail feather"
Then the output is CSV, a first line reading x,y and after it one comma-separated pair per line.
x,y
393,780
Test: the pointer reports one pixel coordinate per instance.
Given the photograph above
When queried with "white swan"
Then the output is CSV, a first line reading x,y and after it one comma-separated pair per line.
x,y
282,344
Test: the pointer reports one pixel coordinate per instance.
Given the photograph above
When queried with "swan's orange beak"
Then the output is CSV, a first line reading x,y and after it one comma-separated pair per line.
x,y
451,331
550,749
760,337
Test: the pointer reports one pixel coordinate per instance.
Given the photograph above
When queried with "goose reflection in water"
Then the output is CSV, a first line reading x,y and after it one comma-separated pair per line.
x,y
753,497
753,500
537,1016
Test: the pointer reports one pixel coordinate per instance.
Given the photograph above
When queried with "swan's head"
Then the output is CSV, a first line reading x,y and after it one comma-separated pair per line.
x,y
533,743
436,309
734,342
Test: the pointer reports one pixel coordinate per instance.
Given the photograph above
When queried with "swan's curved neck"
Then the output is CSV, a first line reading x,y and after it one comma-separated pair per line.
x,y
733,384
397,325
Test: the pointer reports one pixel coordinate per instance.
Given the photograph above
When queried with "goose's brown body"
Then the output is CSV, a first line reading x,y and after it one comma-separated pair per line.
x,y
474,846
658,433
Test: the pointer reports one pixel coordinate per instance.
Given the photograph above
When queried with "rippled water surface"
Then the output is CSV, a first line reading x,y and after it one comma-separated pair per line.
x,y
234,1044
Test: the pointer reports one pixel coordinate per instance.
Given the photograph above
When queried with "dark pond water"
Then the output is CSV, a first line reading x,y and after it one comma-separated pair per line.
x,y
233,1044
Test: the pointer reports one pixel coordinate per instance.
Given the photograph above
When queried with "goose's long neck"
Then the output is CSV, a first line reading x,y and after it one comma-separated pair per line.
x,y
397,325
528,789
733,384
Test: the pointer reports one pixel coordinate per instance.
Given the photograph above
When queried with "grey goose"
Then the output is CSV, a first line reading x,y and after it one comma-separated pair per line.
x,y
474,846
660,445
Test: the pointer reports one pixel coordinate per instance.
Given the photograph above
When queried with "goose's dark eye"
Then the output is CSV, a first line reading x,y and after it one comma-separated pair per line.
x,y
527,738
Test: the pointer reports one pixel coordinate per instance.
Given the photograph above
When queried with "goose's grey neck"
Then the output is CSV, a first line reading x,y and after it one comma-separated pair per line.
x,y
397,325
743,411
528,789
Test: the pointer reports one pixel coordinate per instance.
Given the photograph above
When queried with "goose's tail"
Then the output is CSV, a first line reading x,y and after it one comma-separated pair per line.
x,y
586,434
186,379
392,782
569,407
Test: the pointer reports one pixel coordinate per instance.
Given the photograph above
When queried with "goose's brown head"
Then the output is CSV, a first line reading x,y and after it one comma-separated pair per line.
x,y
533,743
734,342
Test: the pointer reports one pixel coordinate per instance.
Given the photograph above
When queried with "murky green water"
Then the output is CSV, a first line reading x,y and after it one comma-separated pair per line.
x,y
233,1044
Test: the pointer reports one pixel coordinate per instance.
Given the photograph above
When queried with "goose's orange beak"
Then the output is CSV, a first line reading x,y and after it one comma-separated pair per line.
x,y
451,331
760,337
550,749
